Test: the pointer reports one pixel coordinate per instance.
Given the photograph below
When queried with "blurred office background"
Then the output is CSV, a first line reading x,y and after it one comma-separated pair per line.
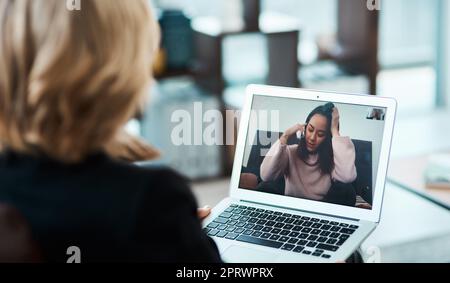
x,y
410,34
212,49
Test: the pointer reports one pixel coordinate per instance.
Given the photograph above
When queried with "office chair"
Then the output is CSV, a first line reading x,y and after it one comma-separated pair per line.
x,y
16,244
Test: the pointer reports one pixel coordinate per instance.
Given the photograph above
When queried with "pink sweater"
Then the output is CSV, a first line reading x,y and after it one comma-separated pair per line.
x,y
303,180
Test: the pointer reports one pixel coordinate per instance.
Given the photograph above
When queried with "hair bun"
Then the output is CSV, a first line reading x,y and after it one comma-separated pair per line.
x,y
329,107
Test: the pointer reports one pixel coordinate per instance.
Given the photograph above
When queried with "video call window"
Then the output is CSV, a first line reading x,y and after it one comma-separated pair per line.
x,y
318,151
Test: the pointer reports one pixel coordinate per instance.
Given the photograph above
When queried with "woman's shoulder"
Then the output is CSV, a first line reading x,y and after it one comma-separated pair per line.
x,y
150,189
164,177
159,179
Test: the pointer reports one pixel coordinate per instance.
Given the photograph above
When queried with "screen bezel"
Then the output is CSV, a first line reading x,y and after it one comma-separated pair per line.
x,y
303,204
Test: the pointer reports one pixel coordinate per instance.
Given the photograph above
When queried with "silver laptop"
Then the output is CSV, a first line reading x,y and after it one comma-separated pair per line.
x,y
308,177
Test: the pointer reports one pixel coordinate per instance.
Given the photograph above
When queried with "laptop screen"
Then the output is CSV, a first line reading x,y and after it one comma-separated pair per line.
x,y
325,152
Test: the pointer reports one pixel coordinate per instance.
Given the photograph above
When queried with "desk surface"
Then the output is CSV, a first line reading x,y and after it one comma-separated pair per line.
x,y
408,173
411,229
412,147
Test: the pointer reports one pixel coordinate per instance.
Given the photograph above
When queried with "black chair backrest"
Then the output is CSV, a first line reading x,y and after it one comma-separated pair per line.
x,y
363,161
16,243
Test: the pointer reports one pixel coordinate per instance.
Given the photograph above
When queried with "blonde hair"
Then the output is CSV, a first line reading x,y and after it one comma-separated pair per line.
x,y
70,79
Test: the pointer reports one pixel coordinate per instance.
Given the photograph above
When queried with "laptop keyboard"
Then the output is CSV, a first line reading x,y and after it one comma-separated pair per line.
x,y
274,229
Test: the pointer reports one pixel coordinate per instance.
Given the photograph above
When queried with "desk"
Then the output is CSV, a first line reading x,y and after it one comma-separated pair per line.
x,y
412,147
411,229
408,173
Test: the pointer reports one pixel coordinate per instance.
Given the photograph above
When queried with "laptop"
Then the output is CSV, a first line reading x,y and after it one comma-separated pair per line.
x,y
290,199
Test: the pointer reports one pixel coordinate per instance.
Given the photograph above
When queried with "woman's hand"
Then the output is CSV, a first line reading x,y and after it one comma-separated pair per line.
x,y
335,123
203,212
292,131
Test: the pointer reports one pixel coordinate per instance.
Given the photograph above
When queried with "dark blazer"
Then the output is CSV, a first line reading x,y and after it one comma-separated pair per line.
x,y
112,211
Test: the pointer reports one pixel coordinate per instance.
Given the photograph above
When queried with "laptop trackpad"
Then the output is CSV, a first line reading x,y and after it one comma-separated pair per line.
x,y
237,254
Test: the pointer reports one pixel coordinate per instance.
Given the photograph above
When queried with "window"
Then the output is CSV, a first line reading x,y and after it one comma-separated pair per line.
x,y
408,49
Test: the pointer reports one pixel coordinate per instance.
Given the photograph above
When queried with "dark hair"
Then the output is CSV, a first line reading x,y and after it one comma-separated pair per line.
x,y
325,150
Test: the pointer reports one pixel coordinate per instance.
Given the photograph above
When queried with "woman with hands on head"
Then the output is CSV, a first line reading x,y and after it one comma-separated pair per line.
x,y
322,166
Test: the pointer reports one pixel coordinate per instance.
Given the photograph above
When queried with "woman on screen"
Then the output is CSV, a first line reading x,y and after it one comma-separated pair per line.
x,y
321,166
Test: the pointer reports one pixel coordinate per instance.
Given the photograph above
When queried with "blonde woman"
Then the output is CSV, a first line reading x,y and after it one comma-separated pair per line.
x,y
69,80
